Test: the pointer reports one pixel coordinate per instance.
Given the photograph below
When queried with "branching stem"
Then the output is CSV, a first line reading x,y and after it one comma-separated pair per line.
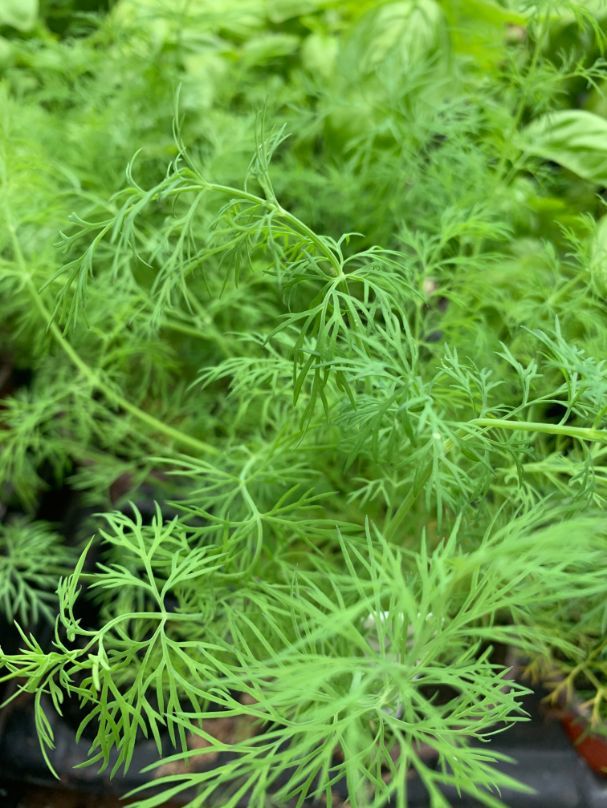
x,y
183,439
296,224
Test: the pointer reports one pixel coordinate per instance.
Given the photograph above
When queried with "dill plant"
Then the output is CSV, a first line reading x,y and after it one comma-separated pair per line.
x,y
339,312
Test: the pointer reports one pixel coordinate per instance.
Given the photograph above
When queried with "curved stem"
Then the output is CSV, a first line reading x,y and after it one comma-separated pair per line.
x,y
296,224
89,373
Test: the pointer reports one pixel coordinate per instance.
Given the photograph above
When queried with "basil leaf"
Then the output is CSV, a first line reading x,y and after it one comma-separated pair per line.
x,y
575,139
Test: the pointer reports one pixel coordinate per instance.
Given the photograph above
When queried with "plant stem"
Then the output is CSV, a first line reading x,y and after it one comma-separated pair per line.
x,y
89,373
579,432
297,225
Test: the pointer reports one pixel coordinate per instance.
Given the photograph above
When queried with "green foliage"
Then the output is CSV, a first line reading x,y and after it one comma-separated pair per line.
x,y
32,560
325,281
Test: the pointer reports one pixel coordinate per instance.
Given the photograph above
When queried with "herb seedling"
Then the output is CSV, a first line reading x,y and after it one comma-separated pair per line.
x,y
339,312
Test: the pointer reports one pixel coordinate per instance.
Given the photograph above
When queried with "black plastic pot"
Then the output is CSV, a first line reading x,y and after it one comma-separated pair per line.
x,y
21,758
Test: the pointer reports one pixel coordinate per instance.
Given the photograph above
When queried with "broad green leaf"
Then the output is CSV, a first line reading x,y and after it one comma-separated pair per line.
x,y
20,14
570,11
574,139
410,30
479,28
376,59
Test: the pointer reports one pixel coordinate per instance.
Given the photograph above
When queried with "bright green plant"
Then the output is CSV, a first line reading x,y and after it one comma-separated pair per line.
x,y
325,280
33,560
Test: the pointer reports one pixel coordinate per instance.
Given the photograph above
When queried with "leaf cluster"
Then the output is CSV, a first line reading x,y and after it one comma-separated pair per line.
x,y
319,286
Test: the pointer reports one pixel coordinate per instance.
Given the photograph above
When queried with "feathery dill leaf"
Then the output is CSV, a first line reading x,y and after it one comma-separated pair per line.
x,y
323,340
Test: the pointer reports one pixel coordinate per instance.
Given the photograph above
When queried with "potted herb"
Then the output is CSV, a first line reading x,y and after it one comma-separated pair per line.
x,y
311,302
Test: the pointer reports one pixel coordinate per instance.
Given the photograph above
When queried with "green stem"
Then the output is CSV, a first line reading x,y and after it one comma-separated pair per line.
x,y
297,225
183,328
159,616
579,432
111,395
